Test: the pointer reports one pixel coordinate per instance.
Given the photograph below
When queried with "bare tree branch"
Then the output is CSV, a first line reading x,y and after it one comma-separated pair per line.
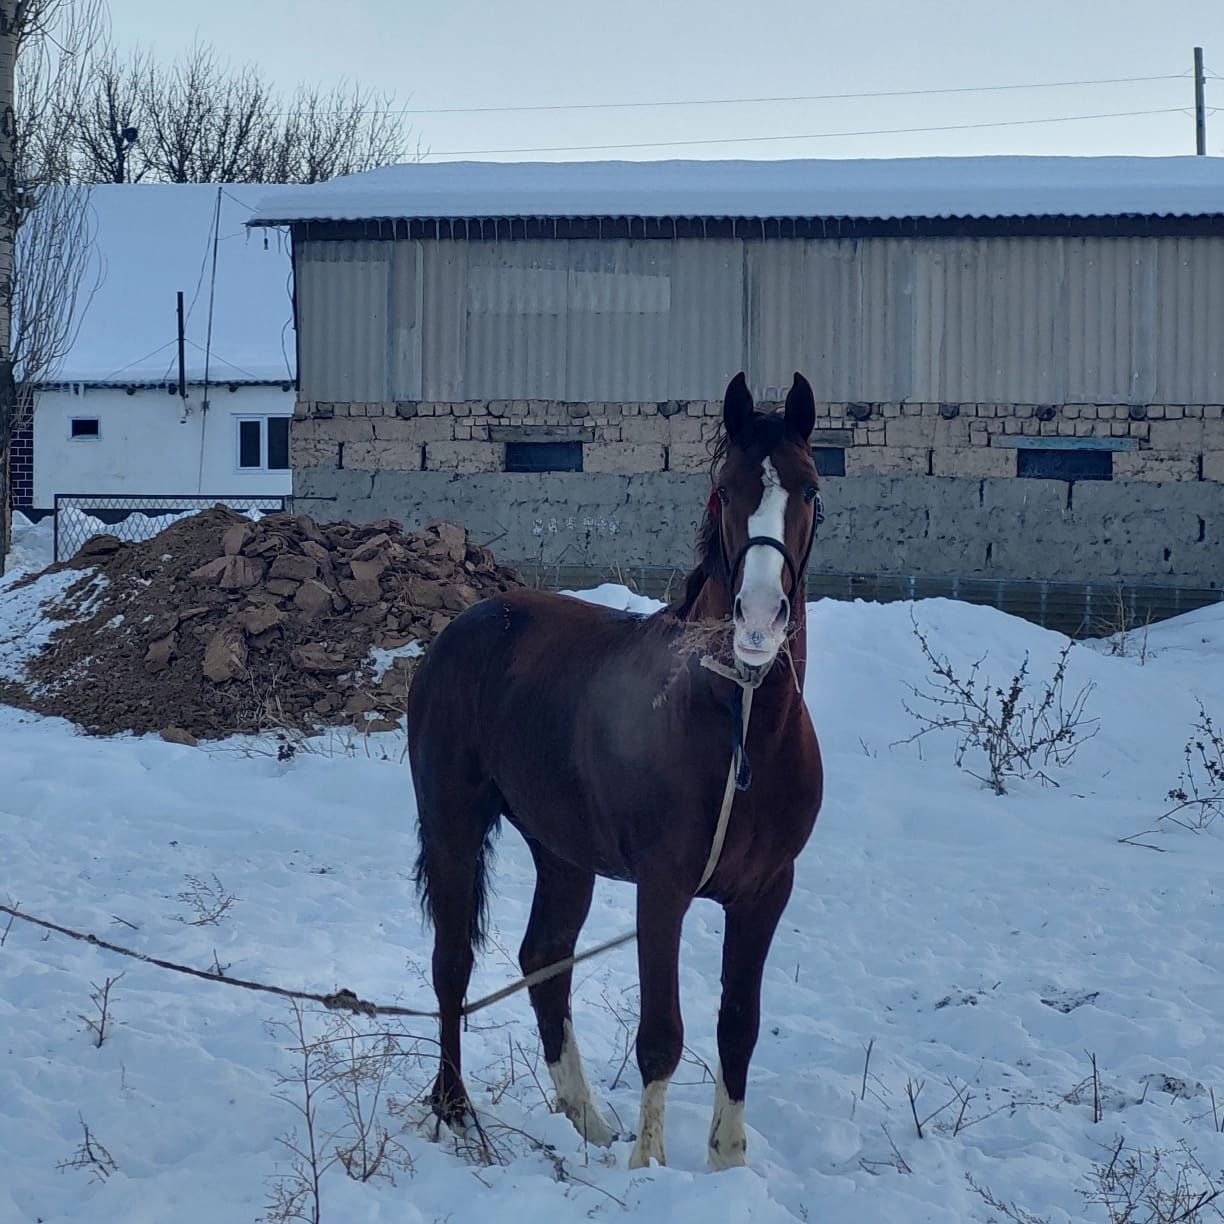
x,y
54,281
106,148
202,120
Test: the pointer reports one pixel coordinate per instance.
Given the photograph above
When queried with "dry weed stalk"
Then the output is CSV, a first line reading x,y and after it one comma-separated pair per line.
x,y
339,1089
1155,1186
208,899
1120,627
91,1156
1199,793
1137,1186
1021,733
100,998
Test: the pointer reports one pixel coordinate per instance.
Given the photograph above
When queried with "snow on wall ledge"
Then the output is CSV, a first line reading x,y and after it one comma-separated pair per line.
x,y
882,188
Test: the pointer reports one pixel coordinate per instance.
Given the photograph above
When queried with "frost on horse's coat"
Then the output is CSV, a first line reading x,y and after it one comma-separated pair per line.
x,y
600,737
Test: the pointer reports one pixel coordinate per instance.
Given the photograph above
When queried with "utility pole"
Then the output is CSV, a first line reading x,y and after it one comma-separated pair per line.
x,y
1200,107
8,234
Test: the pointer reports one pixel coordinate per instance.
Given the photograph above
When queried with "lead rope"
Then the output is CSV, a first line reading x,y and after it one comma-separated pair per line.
x,y
346,1000
748,682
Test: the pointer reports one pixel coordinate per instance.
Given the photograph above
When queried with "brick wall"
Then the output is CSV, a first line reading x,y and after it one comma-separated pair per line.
x,y
1164,442
469,438
21,466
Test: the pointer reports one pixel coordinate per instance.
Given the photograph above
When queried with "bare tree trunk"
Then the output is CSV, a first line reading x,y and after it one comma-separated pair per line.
x,y
8,232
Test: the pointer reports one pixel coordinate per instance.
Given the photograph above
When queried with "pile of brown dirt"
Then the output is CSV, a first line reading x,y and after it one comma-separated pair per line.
x,y
220,625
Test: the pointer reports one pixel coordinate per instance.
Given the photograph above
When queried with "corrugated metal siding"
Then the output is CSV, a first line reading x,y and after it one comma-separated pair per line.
x,y
444,320
517,314
404,321
618,338
342,297
998,320
1190,280
707,318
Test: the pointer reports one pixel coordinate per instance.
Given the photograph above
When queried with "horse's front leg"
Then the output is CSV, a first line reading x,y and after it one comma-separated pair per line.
x,y
749,933
660,916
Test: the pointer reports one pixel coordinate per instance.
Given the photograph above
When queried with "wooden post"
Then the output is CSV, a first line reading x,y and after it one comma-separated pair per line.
x,y
182,361
1200,107
8,234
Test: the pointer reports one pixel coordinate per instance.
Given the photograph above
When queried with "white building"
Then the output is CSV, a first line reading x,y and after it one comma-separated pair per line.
x,y
118,417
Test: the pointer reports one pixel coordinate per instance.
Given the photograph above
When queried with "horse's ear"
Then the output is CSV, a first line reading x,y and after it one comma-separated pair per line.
x,y
801,407
737,408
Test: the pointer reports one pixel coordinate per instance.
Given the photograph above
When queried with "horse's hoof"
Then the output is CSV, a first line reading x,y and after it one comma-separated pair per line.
x,y
641,1159
457,1116
592,1126
717,1161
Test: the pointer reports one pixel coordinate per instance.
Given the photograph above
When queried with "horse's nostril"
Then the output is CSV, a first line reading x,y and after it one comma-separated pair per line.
x,y
739,608
783,612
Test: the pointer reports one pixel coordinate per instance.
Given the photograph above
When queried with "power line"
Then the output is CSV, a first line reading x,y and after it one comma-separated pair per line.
x,y
945,127
678,102
831,97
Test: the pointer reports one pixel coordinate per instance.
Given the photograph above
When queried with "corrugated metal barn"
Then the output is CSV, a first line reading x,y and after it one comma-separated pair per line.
x,y
1000,341
1013,319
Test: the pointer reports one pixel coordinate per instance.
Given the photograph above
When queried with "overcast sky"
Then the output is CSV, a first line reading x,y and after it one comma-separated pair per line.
x,y
469,53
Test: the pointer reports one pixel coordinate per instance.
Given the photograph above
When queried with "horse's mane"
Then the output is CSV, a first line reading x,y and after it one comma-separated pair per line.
x,y
706,544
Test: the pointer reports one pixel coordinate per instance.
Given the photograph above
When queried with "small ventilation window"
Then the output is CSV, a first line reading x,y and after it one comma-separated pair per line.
x,y
543,456
85,427
1064,464
829,460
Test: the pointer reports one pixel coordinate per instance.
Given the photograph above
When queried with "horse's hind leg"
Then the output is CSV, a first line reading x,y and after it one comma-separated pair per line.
x,y
749,933
558,910
455,829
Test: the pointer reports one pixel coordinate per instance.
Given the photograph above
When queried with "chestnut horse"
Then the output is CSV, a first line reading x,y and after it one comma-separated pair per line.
x,y
606,744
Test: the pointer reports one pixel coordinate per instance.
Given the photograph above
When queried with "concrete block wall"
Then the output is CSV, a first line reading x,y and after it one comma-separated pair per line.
x,y
929,489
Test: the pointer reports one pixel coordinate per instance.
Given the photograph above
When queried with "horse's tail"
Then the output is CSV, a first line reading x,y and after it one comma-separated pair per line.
x,y
454,861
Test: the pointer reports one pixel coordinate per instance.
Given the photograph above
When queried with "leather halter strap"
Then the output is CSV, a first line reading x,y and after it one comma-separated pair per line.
x,y
732,567
767,542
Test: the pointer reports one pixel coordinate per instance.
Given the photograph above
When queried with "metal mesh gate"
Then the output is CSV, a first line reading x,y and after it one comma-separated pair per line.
x,y
1077,609
81,515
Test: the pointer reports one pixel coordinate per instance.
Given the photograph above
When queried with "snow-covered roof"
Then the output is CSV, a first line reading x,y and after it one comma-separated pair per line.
x,y
150,240
919,187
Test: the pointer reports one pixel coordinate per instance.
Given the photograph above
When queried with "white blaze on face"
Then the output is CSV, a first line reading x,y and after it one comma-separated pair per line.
x,y
761,591
762,565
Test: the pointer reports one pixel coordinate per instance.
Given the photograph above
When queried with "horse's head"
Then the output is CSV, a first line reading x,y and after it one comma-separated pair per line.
x,y
767,504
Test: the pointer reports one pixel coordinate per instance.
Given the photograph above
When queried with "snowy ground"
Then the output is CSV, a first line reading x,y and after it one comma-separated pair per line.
x,y
994,942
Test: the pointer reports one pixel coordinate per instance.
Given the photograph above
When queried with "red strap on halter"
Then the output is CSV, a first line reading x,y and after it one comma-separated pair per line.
x,y
712,504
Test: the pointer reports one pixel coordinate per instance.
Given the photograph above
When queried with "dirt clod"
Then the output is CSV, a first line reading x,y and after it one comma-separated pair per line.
x,y
220,625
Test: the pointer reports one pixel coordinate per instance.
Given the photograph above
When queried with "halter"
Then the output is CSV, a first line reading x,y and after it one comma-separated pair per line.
x,y
732,567
747,679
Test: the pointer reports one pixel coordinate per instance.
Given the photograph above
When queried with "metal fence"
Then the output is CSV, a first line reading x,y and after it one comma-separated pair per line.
x,y
78,516
1078,609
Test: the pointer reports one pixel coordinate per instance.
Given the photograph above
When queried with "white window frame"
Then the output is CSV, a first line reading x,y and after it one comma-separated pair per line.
x,y
262,421
84,437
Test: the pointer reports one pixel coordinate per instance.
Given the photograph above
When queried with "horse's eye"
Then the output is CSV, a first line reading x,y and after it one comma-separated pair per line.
x,y
723,495
809,494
